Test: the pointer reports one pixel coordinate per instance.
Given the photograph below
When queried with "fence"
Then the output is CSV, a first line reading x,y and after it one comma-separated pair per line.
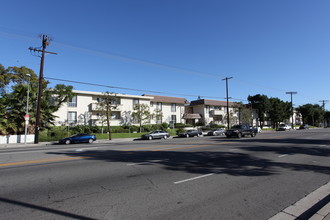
x,y
15,139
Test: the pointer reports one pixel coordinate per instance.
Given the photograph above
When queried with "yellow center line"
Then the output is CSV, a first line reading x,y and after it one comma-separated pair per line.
x,y
46,160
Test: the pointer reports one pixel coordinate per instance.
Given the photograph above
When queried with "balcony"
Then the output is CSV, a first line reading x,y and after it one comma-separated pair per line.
x,y
94,107
215,113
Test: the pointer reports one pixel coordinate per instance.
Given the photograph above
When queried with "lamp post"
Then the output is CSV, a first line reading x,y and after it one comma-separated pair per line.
x,y
291,105
27,108
228,120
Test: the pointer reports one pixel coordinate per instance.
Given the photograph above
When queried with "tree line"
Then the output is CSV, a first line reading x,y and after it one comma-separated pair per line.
x,y
15,83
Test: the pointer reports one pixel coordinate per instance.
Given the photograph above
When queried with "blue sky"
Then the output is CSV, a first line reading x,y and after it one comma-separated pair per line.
x,y
181,48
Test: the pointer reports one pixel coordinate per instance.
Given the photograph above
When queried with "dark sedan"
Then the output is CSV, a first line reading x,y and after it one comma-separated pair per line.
x,y
191,133
156,135
78,138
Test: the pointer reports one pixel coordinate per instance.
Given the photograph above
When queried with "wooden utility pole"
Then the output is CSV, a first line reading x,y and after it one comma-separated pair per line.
x,y
291,93
228,120
45,42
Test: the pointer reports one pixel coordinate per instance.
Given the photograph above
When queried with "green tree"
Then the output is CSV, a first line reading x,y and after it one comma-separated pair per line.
x,y
244,113
280,111
262,105
158,115
141,114
311,114
108,103
14,86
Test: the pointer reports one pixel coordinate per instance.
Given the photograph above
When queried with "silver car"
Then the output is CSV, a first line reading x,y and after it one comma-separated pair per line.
x,y
158,134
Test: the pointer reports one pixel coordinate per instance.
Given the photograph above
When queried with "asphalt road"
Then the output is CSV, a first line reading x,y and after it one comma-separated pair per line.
x,y
179,178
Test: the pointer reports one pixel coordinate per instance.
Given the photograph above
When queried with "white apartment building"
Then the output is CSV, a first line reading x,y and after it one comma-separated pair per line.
x,y
172,109
84,109
210,112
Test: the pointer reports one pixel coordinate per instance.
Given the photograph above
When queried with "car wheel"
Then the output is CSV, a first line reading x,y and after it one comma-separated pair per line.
x,y
239,135
150,137
90,140
67,142
165,137
253,134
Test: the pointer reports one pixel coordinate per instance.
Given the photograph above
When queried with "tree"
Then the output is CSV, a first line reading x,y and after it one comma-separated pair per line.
x,y
280,111
141,114
244,113
108,103
158,115
14,87
311,114
262,104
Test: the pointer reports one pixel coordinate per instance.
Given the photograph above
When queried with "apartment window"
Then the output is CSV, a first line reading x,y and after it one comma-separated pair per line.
x,y
72,117
173,119
115,115
173,107
73,101
135,102
159,105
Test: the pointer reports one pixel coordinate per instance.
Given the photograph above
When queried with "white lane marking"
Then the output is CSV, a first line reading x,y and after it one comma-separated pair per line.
x,y
283,155
233,149
194,178
83,149
145,162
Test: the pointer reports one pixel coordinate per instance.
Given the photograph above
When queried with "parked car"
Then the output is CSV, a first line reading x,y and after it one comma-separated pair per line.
x,y
240,131
191,133
216,132
158,134
304,126
284,127
78,138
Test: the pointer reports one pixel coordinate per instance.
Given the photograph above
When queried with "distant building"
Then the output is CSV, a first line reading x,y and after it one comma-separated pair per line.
x,y
208,112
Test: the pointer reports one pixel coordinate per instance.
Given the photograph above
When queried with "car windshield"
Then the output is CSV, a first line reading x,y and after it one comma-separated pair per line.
x,y
236,127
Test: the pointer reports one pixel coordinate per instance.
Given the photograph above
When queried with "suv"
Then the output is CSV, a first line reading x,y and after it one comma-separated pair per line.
x,y
240,131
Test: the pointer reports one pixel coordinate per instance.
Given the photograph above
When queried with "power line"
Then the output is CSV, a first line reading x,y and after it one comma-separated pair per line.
x,y
146,62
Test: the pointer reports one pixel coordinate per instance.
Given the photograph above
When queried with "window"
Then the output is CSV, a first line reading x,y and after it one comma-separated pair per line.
x,y
115,115
72,117
173,107
159,105
72,101
173,119
135,102
151,104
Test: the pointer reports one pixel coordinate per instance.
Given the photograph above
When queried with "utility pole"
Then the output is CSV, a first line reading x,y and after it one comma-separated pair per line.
x,y
228,121
291,93
323,106
45,42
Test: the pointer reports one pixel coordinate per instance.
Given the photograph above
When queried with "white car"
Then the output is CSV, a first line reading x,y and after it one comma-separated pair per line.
x,y
284,127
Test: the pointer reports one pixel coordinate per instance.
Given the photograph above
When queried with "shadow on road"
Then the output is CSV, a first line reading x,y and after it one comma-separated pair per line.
x,y
44,209
236,164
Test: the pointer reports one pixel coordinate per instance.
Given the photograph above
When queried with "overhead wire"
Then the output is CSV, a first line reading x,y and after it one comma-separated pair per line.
x,y
144,62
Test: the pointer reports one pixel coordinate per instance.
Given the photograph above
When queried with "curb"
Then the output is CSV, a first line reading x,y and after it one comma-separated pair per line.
x,y
314,206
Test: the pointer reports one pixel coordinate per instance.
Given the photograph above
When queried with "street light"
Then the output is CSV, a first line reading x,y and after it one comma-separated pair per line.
x,y
291,105
27,108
